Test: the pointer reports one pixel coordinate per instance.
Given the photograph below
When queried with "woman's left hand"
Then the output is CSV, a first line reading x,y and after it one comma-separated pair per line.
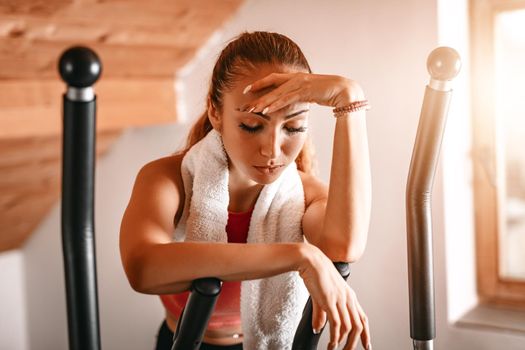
x,y
326,90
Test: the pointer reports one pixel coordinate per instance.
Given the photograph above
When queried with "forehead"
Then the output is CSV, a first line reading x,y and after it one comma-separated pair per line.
x,y
236,96
259,71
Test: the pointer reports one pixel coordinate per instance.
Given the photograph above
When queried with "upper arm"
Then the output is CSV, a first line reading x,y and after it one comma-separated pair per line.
x,y
316,195
148,218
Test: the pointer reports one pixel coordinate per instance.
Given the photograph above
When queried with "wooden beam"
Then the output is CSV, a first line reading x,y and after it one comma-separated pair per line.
x,y
133,38
142,45
169,24
147,13
37,59
34,108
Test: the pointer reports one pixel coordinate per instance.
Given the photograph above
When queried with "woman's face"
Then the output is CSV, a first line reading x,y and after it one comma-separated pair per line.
x,y
261,146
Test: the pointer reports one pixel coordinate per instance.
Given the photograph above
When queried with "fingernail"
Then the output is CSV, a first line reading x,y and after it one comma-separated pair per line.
x,y
265,110
251,109
369,346
246,89
316,331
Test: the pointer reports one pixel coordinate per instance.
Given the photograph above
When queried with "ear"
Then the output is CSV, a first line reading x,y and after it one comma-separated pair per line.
x,y
214,116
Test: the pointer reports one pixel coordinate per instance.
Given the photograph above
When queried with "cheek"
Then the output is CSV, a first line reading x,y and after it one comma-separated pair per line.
x,y
238,146
294,145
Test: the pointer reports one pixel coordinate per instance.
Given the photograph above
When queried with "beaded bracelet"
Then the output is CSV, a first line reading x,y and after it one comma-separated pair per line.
x,y
352,107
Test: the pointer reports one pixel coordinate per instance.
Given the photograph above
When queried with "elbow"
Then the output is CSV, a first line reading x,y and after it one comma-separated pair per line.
x,y
353,254
134,270
145,278
354,248
343,253
349,251
136,286
346,254
140,284
345,243
135,282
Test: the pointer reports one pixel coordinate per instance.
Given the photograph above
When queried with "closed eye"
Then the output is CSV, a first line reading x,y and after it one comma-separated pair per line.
x,y
249,129
253,130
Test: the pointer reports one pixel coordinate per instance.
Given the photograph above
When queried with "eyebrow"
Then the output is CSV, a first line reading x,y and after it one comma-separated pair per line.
x,y
285,118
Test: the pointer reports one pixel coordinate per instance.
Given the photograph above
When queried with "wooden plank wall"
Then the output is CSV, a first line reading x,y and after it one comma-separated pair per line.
x,y
142,45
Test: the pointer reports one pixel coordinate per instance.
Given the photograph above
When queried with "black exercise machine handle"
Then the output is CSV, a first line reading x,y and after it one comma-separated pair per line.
x,y
201,302
79,67
305,339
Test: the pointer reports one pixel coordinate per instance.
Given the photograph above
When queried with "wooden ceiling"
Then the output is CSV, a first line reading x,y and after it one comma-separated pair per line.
x,y
142,45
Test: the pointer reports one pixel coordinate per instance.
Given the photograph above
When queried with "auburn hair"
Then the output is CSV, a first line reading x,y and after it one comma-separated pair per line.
x,y
242,54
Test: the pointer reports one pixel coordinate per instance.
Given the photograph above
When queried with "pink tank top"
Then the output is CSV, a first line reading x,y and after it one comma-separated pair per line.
x,y
227,310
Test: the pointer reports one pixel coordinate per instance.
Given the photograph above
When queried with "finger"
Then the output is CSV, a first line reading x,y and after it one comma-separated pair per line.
x,y
357,326
365,335
318,317
284,100
346,323
269,98
273,79
335,325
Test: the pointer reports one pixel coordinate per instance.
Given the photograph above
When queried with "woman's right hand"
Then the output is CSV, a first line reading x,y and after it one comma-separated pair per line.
x,y
333,298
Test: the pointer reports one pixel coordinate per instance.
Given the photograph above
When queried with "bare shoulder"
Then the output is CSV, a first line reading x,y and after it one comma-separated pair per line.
x,y
314,189
163,177
149,217
166,167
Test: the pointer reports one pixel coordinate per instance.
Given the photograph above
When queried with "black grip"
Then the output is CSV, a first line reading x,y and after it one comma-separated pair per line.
x,y
304,338
196,314
199,308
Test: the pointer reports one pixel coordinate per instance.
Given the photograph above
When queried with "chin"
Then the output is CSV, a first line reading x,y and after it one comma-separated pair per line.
x,y
265,181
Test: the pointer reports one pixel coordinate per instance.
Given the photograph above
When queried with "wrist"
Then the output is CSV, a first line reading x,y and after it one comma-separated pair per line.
x,y
351,108
308,255
303,254
351,92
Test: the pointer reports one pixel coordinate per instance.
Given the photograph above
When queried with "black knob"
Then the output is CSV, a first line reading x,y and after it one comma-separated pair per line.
x,y
79,66
209,286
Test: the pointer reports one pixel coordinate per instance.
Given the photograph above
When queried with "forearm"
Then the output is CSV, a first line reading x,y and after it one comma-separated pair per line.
x,y
349,196
170,268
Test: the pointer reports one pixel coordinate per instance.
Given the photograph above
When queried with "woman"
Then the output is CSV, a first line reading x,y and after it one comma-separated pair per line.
x,y
258,103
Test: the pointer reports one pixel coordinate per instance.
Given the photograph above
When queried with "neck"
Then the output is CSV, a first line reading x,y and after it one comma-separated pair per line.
x,y
237,183
243,191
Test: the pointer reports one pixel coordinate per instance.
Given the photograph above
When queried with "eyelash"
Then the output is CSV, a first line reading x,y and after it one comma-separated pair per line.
x,y
257,128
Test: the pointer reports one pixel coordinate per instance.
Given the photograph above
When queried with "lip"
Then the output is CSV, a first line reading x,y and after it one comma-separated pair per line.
x,y
267,170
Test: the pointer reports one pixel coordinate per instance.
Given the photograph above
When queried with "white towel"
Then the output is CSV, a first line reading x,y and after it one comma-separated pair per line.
x,y
271,308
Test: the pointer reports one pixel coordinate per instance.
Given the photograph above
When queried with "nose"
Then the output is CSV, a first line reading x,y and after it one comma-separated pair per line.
x,y
271,146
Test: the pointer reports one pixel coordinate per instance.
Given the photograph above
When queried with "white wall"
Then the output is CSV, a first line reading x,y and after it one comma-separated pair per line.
x,y
128,320
456,169
382,44
13,333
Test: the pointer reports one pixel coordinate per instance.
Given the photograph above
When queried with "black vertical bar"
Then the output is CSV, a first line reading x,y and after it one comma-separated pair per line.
x,y
196,314
79,67
78,237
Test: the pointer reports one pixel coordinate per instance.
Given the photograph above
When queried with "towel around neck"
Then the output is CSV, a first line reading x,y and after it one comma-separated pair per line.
x,y
271,308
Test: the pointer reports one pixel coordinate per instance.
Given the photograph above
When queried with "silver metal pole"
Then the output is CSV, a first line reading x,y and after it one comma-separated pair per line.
x,y
443,64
